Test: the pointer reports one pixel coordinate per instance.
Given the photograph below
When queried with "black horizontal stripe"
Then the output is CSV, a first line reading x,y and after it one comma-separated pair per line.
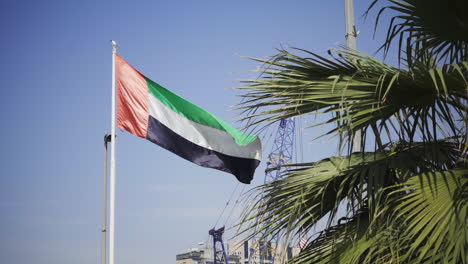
x,y
242,168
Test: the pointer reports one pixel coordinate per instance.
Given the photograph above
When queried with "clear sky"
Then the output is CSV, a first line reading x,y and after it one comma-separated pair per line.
x,y
55,81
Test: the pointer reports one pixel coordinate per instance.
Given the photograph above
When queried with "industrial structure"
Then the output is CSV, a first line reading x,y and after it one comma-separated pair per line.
x,y
236,253
260,251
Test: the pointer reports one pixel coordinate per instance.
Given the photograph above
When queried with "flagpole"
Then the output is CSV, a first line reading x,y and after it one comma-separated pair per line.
x,y
107,139
112,164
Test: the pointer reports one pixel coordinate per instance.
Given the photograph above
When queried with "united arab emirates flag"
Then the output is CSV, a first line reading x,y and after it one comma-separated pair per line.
x,y
148,110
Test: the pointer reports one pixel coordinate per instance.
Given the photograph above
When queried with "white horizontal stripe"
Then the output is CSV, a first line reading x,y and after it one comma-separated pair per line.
x,y
203,136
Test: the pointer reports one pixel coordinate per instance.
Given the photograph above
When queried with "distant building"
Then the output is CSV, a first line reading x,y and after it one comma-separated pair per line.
x,y
278,252
238,253
202,256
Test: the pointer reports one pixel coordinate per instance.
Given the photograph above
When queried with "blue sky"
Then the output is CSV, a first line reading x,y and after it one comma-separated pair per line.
x,y
55,79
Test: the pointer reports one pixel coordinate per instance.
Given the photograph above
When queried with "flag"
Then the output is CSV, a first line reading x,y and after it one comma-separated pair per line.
x,y
150,111
303,243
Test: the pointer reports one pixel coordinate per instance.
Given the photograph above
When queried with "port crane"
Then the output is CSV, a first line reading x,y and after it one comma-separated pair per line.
x,y
220,256
281,154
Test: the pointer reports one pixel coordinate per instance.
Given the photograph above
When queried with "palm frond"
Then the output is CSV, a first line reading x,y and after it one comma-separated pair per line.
x,y
359,92
335,241
294,204
428,29
435,212
424,221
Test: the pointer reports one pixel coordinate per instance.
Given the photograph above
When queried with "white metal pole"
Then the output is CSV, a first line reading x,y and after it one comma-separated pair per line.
x,y
112,164
351,35
104,207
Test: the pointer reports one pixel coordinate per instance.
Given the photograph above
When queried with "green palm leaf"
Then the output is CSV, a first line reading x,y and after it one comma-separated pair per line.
x,y
428,28
294,204
359,92
435,215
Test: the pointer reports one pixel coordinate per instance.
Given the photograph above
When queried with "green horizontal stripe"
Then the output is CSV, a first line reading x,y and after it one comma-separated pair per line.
x,y
195,113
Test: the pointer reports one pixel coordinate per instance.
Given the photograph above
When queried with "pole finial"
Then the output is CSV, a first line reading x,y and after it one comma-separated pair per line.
x,y
114,46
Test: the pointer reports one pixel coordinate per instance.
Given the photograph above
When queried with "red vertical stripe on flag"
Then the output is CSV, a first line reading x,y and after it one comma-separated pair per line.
x,y
132,99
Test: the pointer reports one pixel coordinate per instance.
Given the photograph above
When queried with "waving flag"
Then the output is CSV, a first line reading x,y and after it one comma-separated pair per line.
x,y
303,243
150,111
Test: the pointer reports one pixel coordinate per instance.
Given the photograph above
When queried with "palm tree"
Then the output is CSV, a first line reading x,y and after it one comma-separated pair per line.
x,y
405,195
